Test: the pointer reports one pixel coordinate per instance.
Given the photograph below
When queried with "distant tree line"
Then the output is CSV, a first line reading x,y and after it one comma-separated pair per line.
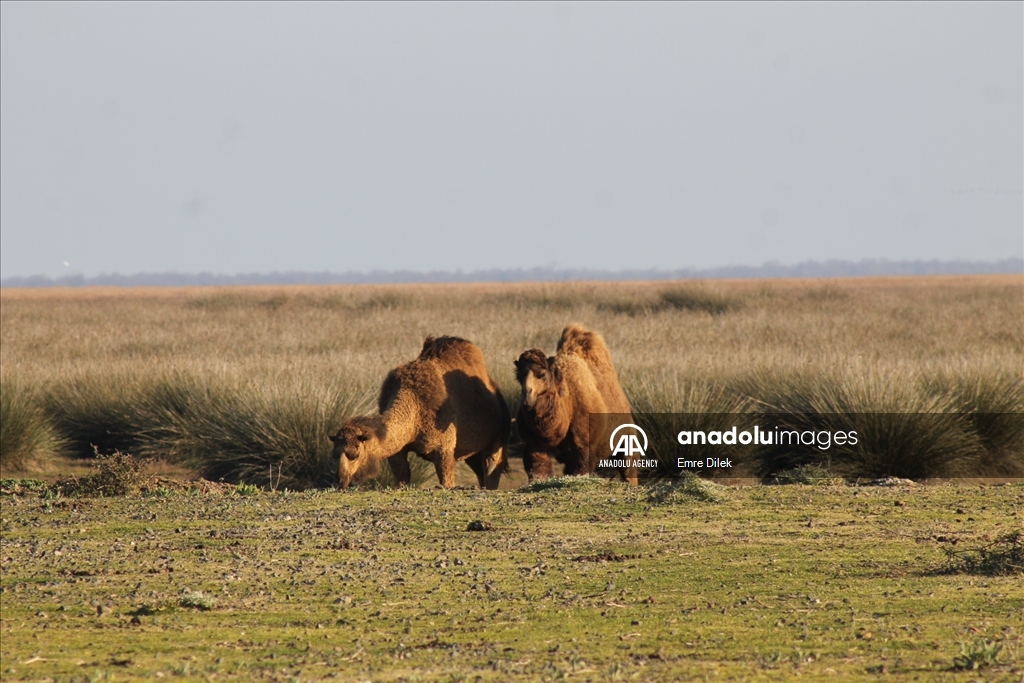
x,y
772,269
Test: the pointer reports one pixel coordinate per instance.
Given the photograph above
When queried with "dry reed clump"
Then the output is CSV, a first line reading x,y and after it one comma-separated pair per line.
x,y
264,434
99,414
992,401
903,429
28,439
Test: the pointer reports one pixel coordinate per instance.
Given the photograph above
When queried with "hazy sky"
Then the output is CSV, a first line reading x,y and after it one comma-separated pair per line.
x,y
140,137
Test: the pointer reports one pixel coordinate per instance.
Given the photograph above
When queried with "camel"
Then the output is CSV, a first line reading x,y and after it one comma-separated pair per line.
x,y
443,406
561,394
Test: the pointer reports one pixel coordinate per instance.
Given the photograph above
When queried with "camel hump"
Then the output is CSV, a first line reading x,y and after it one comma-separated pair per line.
x,y
441,347
578,341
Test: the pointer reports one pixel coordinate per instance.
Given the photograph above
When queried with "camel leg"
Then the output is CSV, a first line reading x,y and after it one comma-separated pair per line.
x,y
478,463
399,464
536,463
444,465
575,459
488,465
629,474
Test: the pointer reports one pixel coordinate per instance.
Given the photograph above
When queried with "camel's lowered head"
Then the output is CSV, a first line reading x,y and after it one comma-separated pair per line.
x,y
353,445
537,375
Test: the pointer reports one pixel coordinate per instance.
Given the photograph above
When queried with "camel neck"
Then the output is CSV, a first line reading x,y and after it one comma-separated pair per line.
x,y
399,423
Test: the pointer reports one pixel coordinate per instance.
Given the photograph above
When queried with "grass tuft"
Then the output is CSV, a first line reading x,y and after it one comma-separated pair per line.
x,y
28,440
992,399
978,655
98,413
685,489
570,483
197,600
238,432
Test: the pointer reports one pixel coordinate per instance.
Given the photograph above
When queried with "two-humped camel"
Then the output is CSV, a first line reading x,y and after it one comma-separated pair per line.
x,y
443,406
564,399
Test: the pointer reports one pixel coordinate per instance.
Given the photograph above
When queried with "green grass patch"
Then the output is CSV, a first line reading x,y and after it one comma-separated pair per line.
x,y
589,583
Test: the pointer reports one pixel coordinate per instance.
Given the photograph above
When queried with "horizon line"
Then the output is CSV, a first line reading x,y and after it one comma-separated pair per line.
x,y
768,270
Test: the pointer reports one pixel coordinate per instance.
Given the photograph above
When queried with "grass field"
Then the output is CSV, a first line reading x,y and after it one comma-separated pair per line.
x,y
581,579
232,380
592,581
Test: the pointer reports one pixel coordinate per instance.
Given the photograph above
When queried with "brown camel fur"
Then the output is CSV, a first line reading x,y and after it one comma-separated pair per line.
x,y
561,396
443,406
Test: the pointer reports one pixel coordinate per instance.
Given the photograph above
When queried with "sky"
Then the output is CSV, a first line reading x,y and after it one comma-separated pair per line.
x,y
261,137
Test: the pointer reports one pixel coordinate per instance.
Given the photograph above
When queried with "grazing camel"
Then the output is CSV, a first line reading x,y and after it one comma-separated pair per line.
x,y
443,406
563,398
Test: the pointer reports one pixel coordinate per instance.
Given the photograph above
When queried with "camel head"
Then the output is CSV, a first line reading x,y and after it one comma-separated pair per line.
x,y
537,375
352,450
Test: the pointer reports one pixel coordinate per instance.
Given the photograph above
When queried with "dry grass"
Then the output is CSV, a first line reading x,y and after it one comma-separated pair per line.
x,y
100,355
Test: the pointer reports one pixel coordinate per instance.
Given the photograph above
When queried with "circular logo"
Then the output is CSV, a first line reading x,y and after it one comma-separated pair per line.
x,y
628,444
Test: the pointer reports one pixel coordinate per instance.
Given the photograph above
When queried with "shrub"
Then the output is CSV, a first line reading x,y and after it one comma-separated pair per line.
x,y
118,474
17,487
1002,557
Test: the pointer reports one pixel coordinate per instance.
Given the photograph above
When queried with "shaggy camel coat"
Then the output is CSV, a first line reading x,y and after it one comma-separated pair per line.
x,y
563,397
443,407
